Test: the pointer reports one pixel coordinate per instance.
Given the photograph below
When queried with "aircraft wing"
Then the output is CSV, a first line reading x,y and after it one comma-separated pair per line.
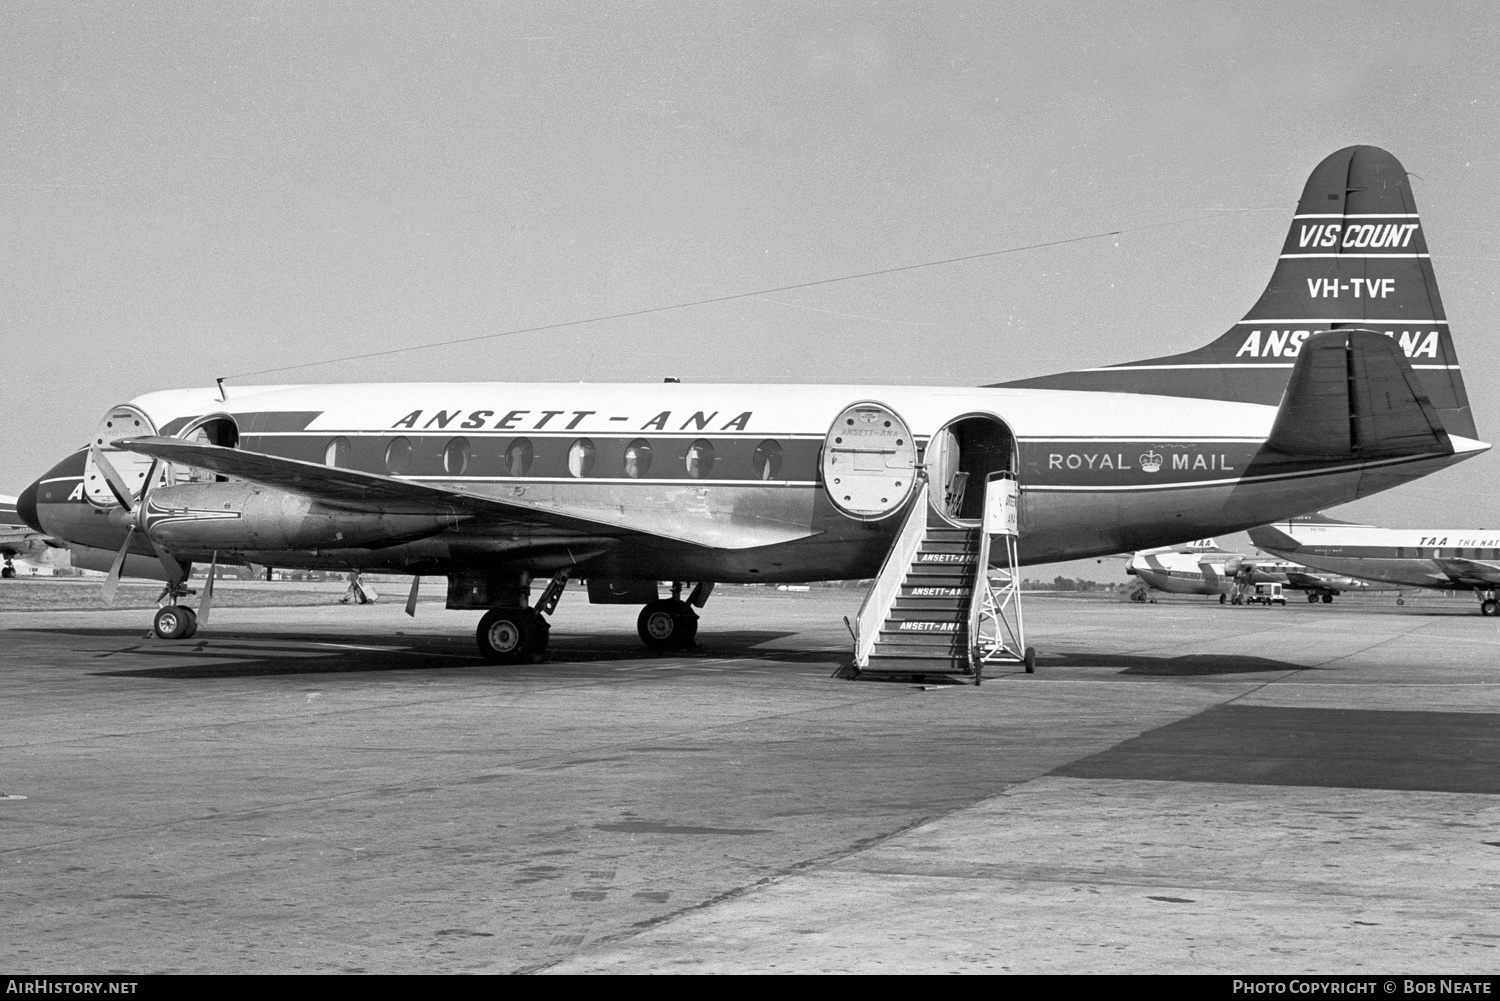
x,y
1304,579
16,535
1474,572
358,490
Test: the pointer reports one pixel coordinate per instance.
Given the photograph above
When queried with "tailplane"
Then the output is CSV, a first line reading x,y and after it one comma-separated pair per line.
x,y
1355,258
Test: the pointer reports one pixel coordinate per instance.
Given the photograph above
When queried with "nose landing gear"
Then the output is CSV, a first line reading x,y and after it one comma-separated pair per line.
x,y
174,622
9,571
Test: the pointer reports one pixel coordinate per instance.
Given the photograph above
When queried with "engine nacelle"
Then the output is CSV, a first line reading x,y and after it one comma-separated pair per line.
x,y
237,517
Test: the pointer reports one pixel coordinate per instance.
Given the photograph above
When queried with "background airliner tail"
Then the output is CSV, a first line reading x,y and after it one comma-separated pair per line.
x,y
1355,257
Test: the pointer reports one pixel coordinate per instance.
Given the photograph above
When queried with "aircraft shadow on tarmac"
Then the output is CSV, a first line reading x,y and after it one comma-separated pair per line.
x,y
1190,665
235,655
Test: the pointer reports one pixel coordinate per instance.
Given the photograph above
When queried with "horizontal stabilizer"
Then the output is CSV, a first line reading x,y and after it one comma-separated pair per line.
x,y
1353,394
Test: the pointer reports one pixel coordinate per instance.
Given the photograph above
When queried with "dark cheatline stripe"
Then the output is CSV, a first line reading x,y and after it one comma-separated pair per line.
x,y
1349,748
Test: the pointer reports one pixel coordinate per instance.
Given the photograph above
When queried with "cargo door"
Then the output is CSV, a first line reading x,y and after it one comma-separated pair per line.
x,y
869,461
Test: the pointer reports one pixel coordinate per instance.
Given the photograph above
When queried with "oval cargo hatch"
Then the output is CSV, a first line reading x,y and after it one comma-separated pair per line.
x,y
869,461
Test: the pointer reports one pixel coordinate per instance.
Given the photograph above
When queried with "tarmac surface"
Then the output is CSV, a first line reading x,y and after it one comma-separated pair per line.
x,y
1181,787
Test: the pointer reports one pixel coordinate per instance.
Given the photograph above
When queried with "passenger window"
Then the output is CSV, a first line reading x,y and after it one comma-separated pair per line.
x,y
638,458
581,457
518,457
700,459
456,456
337,454
767,461
398,456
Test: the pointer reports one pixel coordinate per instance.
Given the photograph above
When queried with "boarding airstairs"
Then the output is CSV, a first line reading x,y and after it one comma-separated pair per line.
x,y
932,610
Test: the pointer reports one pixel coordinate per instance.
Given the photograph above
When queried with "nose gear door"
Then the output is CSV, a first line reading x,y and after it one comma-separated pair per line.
x,y
869,461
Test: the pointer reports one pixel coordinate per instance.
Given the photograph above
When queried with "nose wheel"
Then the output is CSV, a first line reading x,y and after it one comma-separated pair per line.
x,y
9,570
174,622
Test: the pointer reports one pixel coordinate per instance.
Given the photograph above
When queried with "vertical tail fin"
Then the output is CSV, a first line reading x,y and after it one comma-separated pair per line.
x,y
1355,257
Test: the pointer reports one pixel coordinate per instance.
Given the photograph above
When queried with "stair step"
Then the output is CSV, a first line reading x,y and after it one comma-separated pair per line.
x,y
916,665
956,640
930,603
926,572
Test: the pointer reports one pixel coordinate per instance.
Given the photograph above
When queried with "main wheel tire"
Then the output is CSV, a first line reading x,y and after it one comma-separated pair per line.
x,y
1327,599
1223,598
510,636
8,572
1400,601
171,622
1029,659
1311,598
1489,606
192,619
665,624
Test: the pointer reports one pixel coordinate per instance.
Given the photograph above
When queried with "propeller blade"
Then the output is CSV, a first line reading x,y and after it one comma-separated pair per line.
x,y
175,574
411,599
113,478
206,602
112,581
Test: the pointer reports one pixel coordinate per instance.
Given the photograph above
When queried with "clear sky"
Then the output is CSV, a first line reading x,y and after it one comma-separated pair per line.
x,y
196,190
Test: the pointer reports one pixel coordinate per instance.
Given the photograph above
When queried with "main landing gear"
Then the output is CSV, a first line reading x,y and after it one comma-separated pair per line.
x,y
671,623
513,635
667,623
9,571
519,635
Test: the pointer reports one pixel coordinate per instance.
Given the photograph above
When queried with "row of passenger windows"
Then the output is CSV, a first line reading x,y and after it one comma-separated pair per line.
x,y
582,458
1437,554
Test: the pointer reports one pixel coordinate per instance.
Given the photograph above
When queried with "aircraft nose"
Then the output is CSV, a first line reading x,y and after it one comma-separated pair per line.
x,y
26,507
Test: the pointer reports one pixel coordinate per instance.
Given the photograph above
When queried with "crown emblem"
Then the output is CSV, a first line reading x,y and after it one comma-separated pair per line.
x,y
1150,462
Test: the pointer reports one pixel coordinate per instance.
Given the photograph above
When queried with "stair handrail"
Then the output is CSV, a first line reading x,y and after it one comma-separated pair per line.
x,y
980,589
883,592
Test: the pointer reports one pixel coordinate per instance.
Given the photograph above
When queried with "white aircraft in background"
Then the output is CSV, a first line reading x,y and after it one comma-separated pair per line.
x,y
18,540
1203,568
1342,380
1442,559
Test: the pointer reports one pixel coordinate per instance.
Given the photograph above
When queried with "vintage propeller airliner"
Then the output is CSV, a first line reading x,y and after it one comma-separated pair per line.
x,y
1341,381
